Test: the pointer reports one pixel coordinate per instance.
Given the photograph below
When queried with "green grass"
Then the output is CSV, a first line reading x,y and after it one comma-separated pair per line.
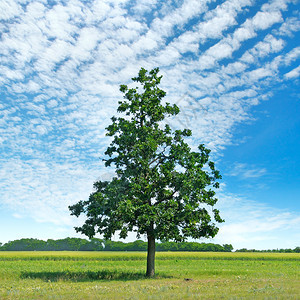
x,y
120,275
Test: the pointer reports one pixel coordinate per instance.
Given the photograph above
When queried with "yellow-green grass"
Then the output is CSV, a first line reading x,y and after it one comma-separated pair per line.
x,y
120,275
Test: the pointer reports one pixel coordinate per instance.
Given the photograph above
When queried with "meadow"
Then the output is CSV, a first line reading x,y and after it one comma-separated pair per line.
x,y
120,275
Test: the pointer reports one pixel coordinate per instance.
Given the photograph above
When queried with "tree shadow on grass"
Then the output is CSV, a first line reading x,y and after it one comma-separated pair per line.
x,y
87,275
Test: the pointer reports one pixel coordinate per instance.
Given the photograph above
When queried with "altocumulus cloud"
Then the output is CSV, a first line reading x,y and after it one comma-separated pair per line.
x,y
61,65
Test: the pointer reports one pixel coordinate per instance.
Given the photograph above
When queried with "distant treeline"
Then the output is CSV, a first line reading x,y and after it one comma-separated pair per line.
x,y
296,250
77,244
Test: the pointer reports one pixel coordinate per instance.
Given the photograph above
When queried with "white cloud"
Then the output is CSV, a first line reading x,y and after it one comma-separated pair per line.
x,y
52,103
290,26
39,183
9,9
235,68
56,24
214,27
292,56
267,46
40,129
220,50
245,172
251,224
35,10
276,5
259,73
86,42
264,20
11,74
295,73
144,6
243,34
99,11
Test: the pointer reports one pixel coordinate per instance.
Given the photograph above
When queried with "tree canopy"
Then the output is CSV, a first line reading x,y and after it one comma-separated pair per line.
x,y
161,188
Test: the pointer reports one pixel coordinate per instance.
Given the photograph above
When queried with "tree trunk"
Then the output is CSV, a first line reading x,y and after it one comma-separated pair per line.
x,y
151,256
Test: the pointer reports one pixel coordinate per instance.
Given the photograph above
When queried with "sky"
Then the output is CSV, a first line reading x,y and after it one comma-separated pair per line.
x,y
231,66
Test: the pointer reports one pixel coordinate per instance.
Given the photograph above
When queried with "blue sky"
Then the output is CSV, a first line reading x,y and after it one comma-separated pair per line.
x,y
231,66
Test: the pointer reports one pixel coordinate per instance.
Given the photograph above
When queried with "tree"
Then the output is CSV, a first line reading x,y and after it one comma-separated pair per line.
x,y
297,250
227,247
161,189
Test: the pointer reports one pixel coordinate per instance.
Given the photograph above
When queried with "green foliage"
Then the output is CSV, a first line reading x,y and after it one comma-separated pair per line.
x,y
77,244
296,250
162,188
24,245
67,244
94,244
228,247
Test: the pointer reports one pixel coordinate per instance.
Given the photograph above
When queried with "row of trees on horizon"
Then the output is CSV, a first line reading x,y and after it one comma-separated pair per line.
x,y
295,250
94,244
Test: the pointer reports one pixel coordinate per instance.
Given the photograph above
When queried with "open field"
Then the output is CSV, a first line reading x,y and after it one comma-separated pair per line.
x,y
120,275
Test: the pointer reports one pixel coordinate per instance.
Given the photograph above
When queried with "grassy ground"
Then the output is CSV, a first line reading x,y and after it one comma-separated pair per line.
x,y
120,275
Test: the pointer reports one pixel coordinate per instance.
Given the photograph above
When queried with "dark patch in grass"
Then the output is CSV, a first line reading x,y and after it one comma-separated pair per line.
x,y
87,275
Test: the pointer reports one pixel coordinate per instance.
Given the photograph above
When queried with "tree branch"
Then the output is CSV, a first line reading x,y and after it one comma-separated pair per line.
x,y
166,198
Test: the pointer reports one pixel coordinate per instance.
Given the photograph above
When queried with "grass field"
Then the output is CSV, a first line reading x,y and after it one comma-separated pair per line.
x,y
120,275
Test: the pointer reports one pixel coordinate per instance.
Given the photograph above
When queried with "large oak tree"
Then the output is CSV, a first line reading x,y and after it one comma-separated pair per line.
x,y
161,188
